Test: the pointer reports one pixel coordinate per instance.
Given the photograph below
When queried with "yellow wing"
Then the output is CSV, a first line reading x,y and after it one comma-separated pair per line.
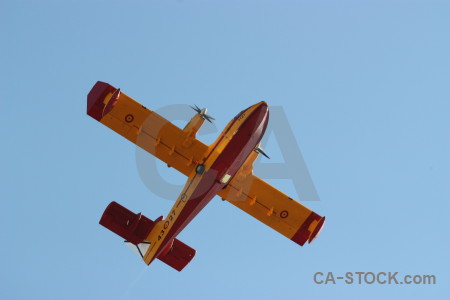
x,y
176,147
272,207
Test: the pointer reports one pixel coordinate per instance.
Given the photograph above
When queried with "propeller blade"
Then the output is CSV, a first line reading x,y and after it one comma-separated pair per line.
x,y
259,150
202,113
198,110
209,118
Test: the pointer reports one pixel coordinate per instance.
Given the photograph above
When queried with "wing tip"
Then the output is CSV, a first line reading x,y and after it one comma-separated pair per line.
x,y
317,230
95,105
304,234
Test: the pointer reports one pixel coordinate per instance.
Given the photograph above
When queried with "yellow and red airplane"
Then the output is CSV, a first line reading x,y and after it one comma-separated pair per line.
x,y
224,168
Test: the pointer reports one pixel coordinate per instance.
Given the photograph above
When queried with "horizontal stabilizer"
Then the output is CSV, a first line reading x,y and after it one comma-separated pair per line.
x,y
123,222
178,256
135,228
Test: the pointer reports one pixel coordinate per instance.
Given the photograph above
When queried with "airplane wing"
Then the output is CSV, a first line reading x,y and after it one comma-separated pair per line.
x,y
145,128
272,207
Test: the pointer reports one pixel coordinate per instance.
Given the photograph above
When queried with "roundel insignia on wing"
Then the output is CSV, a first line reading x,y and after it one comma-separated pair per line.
x,y
284,214
129,118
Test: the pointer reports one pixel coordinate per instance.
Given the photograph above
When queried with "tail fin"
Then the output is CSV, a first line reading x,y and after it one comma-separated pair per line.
x,y
135,228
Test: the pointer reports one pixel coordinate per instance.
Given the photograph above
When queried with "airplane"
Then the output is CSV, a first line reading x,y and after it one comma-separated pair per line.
x,y
224,168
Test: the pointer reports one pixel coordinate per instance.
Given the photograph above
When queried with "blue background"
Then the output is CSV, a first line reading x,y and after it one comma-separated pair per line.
x,y
365,87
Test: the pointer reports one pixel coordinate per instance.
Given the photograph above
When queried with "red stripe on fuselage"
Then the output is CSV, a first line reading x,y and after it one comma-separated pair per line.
x,y
229,161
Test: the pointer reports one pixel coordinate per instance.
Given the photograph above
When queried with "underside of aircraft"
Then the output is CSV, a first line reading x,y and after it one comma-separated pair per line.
x,y
224,168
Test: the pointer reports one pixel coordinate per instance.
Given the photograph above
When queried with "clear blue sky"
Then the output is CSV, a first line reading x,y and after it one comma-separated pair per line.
x,y
365,87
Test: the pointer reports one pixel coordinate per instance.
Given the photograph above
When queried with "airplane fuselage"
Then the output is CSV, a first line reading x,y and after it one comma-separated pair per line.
x,y
224,158
224,168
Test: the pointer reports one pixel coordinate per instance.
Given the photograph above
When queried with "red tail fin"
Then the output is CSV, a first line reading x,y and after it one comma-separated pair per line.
x,y
178,256
136,227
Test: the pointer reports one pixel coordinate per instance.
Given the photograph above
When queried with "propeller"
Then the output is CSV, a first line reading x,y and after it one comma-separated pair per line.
x,y
202,113
260,150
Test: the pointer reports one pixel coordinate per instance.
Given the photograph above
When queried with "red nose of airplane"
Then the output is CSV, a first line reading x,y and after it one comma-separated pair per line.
x,y
260,109
263,106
